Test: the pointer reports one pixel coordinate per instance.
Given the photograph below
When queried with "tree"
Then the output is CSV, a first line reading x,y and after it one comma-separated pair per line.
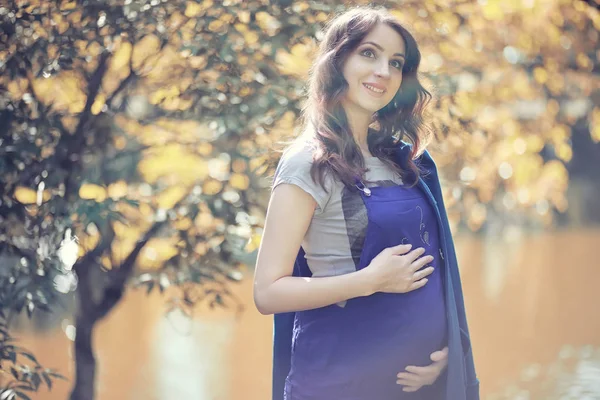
x,y
142,128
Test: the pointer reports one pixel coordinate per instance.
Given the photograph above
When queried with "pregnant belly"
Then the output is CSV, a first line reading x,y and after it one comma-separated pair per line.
x,y
368,341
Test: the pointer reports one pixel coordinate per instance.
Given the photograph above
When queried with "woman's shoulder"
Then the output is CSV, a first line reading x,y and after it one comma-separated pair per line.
x,y
299,154
295,167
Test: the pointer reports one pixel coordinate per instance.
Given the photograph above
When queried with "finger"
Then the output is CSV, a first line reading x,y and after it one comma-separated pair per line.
x,y
421,262
417,285
421,371
417,276
408,377
440,355
406,383
400,249
411,388
414,254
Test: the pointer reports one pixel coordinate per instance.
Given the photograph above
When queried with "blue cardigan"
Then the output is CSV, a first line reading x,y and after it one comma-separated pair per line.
x,y
462,380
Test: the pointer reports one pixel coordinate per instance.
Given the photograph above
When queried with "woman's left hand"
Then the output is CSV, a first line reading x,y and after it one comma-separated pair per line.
x,y
416,377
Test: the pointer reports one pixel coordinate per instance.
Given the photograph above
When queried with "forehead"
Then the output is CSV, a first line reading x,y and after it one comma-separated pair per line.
x,y
385,36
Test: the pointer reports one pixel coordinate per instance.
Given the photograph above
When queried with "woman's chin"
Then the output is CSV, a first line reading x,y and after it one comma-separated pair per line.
x,y
372,108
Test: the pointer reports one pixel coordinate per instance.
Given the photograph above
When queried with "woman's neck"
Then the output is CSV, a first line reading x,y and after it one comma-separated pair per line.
x,y
358,122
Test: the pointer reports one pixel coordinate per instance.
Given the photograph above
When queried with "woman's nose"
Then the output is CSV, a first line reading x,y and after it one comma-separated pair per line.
x,y
383,70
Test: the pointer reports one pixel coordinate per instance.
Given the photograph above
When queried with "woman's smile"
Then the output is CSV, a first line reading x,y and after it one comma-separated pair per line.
x,y
374,89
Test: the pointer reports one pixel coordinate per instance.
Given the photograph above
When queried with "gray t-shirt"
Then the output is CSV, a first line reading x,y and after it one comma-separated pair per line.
x,y
335,237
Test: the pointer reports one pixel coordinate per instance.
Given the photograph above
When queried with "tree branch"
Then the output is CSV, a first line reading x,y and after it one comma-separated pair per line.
x,y
122,86
118,276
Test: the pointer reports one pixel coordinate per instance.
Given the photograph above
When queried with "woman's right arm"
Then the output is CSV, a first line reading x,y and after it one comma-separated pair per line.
x,y
290,210
289,214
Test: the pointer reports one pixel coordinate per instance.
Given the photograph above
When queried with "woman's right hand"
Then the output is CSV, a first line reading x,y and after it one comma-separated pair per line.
x,y
399,270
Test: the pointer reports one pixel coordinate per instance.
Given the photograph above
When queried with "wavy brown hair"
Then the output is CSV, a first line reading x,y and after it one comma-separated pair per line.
x,y
401,119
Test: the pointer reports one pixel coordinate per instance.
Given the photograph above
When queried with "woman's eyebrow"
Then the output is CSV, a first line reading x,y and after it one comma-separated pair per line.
x,y
381,48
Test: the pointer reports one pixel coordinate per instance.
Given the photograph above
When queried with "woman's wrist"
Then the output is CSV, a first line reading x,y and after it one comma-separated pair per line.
x,y
367,282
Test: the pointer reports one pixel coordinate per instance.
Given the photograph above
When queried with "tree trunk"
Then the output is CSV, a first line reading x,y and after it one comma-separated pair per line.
x,y
92,308
85,362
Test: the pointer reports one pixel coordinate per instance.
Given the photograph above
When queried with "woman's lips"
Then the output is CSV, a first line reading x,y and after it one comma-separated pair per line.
x,y
374,90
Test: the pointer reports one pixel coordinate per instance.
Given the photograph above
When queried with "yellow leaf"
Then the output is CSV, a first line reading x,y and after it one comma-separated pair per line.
x,y
227,18
257,162
242,28
204,149
322,17
192,9
251,37
238,166
198,62
157,251
120,142
183,224
217,26
595,125
90,191
204,221
106,263
540,75
121,57
170,196
245,91
239,181
164,93
559,133
564,152
201,248
68,5
64,91
267,22
148,46
174,162
117,190
297,61
17,87
584,61
466,103
88,242
212,187
535,143
254,242
492,10
98,103
25,195
244,16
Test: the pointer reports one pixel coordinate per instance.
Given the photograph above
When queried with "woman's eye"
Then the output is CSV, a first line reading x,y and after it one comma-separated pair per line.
x,y
368,53
397,64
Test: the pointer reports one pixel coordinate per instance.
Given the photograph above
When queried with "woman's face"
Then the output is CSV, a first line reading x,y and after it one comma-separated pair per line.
x,y
374,70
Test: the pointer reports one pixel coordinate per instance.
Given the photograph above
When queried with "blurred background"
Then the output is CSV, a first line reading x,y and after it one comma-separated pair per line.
x,y
136,143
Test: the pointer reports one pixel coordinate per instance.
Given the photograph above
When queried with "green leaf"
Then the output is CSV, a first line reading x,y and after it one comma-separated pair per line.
x,y
47,380
55,374
36,380
30,356
23,396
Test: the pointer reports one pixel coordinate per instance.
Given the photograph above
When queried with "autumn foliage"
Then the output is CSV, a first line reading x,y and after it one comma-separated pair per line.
x,y
145,127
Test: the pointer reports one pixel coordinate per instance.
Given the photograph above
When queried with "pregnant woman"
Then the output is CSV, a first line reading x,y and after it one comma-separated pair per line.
x,y
357,262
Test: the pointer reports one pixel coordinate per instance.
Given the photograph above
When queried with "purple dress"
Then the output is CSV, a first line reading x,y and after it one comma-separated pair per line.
x,y
355,352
